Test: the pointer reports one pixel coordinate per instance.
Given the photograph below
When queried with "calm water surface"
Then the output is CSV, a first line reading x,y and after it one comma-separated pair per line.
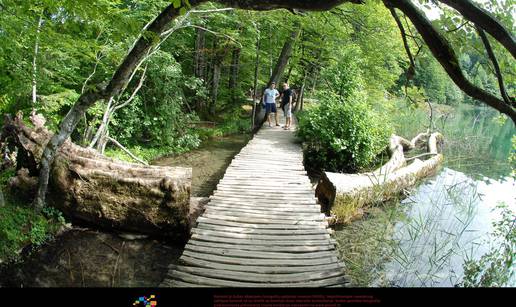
x,y
449,218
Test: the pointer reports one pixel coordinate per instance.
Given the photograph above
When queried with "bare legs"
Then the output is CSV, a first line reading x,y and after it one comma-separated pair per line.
x,y
275,117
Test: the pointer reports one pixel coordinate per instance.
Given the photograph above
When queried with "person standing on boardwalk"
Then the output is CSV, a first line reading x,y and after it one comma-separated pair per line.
x,y
269,98
286,105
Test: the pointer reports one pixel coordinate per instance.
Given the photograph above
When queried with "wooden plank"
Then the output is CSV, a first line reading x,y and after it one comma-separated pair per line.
x,y
270,195
298,180
258,164
267,169
267,198
267,159
272,248
261,164
292,215
308,208
264,243
251,182
279,161
257,179
278,232
257,277
266,176
267,211
259,203
257,236
274,216
217,221
260,178
257,254
255,154
255,220
263,202
252,151
259,186
273,193
278,209
260,262
264,170
277,192
228,283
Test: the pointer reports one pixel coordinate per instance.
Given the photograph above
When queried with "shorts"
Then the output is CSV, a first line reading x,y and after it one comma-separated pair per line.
x,y
287,110
270,108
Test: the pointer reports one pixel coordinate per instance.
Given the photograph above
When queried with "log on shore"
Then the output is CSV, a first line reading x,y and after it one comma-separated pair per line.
x,y
346,195
91,187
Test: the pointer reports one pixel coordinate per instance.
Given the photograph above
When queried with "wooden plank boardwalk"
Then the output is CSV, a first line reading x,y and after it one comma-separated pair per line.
x,y
262,226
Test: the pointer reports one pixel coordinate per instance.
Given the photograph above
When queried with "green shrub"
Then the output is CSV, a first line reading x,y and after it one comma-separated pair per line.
x,y
20,225
495,268
342,134
158,116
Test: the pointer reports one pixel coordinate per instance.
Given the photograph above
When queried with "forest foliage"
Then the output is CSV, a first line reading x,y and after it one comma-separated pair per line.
x,y
205,70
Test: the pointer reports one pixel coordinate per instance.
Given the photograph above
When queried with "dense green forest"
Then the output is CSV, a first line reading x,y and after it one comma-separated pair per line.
x,y
214,58
359,72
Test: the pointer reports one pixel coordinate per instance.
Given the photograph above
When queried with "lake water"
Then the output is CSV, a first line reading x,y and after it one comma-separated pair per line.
x,y
447,219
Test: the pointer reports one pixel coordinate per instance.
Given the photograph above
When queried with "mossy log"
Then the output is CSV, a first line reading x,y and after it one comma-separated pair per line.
x,y
88,186
345,195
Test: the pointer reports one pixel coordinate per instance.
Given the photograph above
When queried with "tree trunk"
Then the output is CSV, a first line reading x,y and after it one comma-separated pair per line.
x,y
286,51
299,102
302,97
215,86
346,195
279,68
314,79
199,60
233,74
91,187
34,62
255,83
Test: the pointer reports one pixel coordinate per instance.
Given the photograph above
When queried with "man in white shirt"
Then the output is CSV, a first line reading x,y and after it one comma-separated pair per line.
x,y
269,98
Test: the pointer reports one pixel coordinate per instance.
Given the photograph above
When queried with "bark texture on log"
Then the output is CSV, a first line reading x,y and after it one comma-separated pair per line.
x,y
345,195
88,186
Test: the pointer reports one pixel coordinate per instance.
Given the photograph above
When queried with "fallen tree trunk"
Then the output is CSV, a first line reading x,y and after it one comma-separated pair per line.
x,y
88,186
345,195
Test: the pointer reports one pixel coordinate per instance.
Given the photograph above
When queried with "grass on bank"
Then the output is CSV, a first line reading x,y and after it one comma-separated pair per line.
x,y
20,225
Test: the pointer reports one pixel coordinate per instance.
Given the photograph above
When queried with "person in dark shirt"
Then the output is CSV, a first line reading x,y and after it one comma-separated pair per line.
x,y
286,105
